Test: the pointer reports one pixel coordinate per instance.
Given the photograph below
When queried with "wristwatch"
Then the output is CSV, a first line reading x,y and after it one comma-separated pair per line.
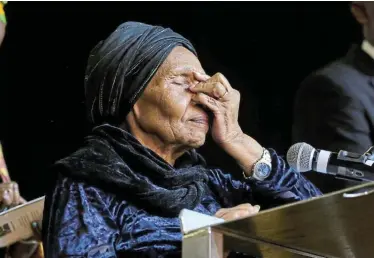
x,y
262,168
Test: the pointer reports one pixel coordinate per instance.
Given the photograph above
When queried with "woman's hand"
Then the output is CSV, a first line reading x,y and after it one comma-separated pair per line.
x,y
216,94
237,212
10,196
240,211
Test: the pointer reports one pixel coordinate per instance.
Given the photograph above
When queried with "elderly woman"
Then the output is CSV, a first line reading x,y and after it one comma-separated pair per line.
x,y
152,105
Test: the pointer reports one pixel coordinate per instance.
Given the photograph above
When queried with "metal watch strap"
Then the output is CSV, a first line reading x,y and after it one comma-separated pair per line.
x,y
265,158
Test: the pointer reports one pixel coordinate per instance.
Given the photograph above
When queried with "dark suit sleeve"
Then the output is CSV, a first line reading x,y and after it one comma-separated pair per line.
x,y
328,117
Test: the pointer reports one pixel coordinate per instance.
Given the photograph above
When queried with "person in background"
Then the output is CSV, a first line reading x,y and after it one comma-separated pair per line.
x,y
10,195
334,107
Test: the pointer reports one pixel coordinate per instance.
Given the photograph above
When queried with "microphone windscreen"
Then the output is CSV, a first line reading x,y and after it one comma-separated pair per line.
x,y
300,157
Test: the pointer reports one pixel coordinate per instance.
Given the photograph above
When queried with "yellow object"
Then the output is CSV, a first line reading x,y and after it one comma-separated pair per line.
x,y
2,12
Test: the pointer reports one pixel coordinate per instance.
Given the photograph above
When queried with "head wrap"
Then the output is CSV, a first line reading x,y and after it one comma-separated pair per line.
x,y
120,67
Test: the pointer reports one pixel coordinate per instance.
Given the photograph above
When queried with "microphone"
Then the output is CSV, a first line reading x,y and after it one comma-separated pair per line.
x,y
302,157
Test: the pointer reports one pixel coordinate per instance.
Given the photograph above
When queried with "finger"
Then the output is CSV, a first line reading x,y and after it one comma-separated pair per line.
x,y
243,213
5,189
6,186
211,88
207,101
221,212
251,209
201,77
22,200
241,210
225,213
11,193
243,206
235,214
246,206
219,77
7,198
257,208
228,216
16,195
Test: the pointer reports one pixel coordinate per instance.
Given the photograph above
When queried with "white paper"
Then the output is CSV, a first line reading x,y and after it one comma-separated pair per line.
x,y
192,220
15,223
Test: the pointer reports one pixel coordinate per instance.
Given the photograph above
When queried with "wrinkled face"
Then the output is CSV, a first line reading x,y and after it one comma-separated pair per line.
x,y
165,108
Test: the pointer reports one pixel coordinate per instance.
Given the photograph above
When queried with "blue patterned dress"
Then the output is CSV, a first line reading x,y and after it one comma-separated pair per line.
x,y
84,220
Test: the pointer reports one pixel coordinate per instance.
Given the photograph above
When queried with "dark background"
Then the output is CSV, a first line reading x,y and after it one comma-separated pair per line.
x,y
265,50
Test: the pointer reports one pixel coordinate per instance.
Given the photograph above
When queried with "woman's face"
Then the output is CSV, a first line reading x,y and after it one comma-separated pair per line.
x,y
165,108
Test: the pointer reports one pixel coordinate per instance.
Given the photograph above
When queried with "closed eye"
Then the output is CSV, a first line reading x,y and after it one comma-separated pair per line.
x,y
181,80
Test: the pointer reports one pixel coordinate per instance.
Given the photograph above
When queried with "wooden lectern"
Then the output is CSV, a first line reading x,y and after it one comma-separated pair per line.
x,y
339,225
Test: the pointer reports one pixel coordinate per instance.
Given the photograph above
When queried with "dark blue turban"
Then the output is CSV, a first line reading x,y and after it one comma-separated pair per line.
x,y
120,67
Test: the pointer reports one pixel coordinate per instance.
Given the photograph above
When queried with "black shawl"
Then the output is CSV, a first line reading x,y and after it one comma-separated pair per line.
x,y
115,161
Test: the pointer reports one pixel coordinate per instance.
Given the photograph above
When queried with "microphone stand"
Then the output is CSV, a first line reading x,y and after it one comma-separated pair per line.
x,y
366,159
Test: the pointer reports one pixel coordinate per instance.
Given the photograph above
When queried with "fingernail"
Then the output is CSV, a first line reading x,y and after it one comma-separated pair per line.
x,y
257,207
34,224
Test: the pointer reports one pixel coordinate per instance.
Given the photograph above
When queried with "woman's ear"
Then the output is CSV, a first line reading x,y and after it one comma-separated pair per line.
x,y
359,12
135,110
132,118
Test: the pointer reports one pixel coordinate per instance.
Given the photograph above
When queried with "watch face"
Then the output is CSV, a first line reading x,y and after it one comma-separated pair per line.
x,y
263,170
